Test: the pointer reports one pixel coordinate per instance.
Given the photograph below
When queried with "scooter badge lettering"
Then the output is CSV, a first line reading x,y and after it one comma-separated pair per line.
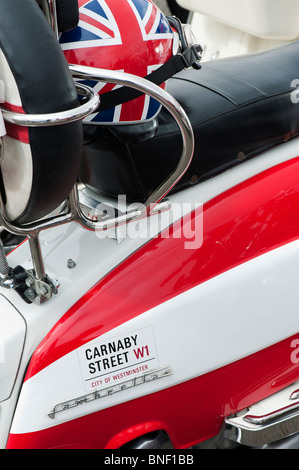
x,y
149,376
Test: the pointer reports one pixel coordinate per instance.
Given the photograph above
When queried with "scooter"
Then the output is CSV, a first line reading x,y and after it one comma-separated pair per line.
x,y
150,300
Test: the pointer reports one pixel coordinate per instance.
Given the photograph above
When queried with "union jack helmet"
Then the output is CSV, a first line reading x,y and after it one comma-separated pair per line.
x,y
132,36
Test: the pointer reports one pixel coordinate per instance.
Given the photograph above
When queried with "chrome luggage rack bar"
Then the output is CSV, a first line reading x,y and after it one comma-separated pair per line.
x,y
74,211
56,119
175,109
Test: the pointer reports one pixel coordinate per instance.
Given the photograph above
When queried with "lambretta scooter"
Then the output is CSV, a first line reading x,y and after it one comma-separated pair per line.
x,y
151,300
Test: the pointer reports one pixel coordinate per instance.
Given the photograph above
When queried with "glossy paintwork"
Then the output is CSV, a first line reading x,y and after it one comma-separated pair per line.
x,y
190,412
251,219
244,222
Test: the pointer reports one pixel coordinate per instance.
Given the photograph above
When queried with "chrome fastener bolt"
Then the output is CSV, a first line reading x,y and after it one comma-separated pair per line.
x,y
71,264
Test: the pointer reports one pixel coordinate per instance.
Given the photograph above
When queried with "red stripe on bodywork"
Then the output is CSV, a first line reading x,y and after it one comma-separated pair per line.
x,y
19,133
13,108
190,412
246,221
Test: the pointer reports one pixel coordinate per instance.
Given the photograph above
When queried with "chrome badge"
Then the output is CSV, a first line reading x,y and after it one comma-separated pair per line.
x,y
154,374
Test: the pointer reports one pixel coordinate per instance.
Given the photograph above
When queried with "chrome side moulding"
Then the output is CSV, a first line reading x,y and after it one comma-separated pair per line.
x,y
268,421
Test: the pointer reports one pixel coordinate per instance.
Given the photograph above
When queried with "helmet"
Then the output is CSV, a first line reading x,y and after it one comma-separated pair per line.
x,y
132,36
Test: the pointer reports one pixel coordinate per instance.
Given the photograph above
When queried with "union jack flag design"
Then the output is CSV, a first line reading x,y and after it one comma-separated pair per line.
x,y
131,36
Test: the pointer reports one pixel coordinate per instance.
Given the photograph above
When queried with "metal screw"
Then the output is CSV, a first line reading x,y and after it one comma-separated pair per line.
x,y
30,294
71,263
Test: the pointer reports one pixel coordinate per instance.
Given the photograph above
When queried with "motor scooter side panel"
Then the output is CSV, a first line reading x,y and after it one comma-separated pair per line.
x,y
172,324
189,412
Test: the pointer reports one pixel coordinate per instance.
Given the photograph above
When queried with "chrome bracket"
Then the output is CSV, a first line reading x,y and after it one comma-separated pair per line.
x,y
39,291
25,283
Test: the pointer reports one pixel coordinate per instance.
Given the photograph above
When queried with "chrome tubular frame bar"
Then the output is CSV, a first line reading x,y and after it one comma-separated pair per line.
x,y
175,109
74,211
56,119
32,231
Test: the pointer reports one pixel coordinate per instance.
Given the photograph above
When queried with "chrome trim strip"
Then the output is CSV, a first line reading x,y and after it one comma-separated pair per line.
x,y
274,416
150,376
261,435
255,430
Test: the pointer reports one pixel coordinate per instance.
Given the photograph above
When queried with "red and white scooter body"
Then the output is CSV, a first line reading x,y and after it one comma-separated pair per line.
x,y
174,333
183,322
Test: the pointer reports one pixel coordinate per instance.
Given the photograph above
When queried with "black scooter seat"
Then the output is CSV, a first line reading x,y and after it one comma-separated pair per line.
x,y
238,107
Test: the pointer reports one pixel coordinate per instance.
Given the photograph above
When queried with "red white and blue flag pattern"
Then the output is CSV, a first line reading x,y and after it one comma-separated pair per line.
x,y
125,35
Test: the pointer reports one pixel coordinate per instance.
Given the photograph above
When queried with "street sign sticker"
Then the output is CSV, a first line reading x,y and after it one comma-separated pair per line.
x,y
107,362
